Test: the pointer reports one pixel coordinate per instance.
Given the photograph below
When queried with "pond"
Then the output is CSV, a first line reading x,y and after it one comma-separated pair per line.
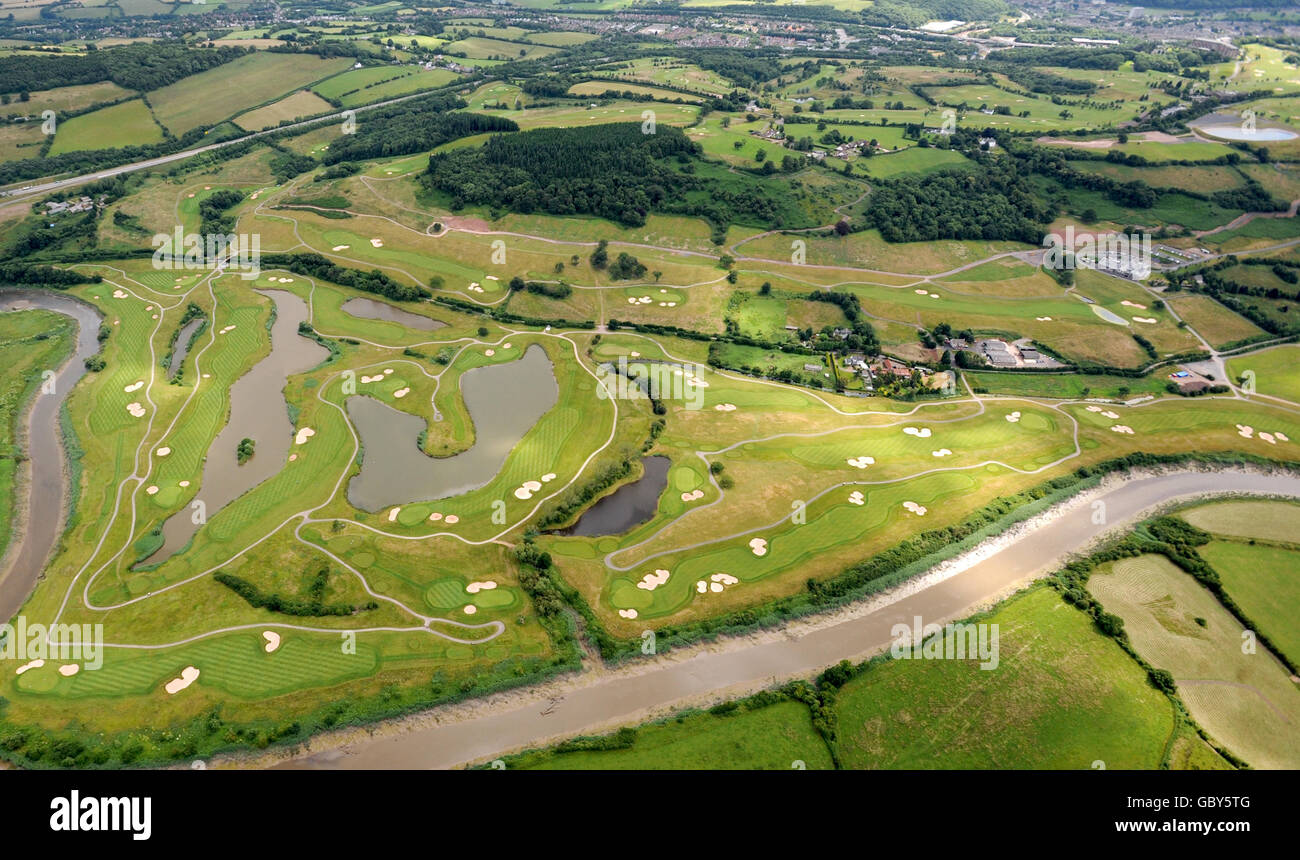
x,y
504,401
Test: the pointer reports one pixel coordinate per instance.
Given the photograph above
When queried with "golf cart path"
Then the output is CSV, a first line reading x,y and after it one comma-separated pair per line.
x,y
599,699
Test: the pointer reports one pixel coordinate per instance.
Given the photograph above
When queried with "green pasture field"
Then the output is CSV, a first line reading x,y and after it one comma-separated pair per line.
x,y
1263,581
71,98
1066,386
126,124
912,161
598,87
1245,701
1277,371
479,48
20,140
1200,178
768,738
1063,696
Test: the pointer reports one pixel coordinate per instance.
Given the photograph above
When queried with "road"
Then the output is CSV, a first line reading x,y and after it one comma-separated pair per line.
x,y
600,699
29,191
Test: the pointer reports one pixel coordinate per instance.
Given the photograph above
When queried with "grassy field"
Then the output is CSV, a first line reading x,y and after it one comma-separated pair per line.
x,y
1245,701
125,124
774,737
1276,371
1213,321
217,94
1264,583
1066,386
31,342
303,103
1063,696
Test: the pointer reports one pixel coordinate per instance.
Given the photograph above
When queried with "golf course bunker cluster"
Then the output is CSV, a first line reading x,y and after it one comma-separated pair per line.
x,y
599,385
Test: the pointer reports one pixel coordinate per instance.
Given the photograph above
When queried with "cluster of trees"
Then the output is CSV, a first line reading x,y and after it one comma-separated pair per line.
x,y
45,276
995,202
373,281
413,126
614,171
213,216
312,605
136,67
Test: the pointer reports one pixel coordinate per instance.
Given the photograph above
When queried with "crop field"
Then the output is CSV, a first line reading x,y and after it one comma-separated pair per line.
x,y
1244,700
303,103
1216,323
217,94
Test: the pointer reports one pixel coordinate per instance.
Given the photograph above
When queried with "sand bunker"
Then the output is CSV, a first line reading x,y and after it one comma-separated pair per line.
x,y
1282,437
856,498
377,378
718,582
725,407
34,664
651,581
1111,415
918,432
1245,431
861,462
401,392
188,676
489,352
153,490
692,495
548,477
921,292
451,519
136,410
377,243
435,516
1122,428
1126,303
1147,320
340,247
627,613
476,587
471,609
163,452
272,640
392,515
1043,319
919,510
119,294
134,386
526,491
1268,437
69,669
304,434
1014,417
759,546
183,484
942,452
